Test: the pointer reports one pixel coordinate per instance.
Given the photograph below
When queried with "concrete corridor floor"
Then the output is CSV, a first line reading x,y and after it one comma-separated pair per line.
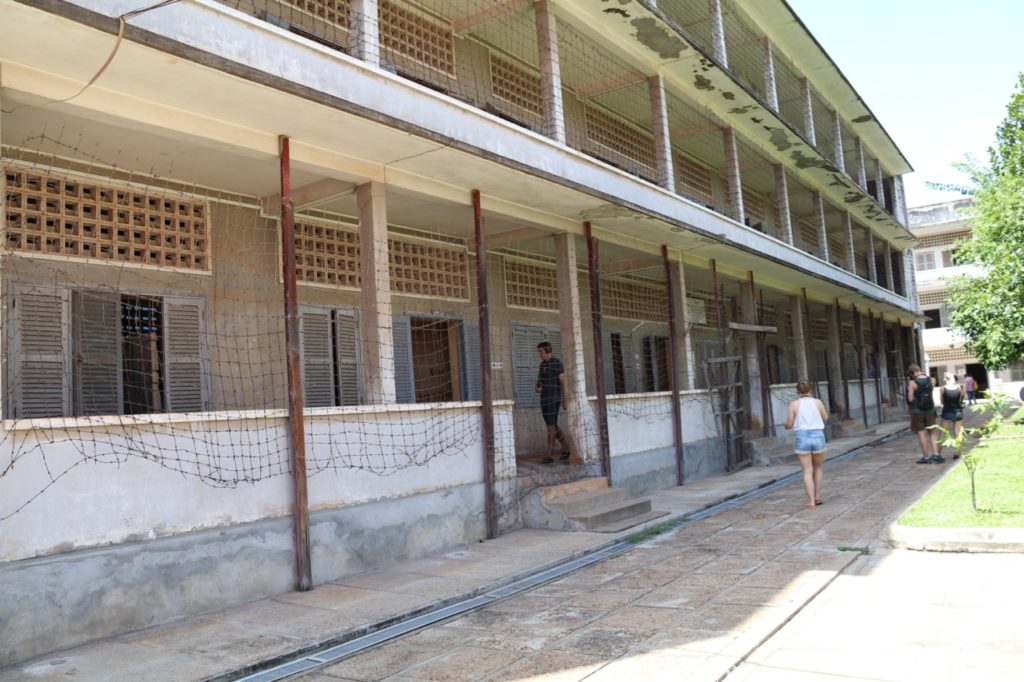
x,y
689,604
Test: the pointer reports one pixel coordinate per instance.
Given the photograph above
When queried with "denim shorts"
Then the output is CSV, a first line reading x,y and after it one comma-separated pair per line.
x,y
812,440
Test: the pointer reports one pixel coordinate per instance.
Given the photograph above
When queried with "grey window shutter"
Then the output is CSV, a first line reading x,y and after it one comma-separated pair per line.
x,y
317,365
96,331
609,363
401,334
37,385
525,364
628,363
554,336
184,364
471,359
348,356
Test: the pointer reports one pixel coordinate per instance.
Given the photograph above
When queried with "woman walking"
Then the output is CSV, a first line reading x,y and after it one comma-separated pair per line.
x,y
952,407
807,417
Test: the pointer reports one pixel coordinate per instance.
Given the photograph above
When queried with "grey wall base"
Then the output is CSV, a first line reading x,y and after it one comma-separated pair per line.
x,y
65,600
643,472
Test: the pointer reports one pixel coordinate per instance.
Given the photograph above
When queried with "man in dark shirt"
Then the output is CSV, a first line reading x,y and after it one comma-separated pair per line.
x,y
550,385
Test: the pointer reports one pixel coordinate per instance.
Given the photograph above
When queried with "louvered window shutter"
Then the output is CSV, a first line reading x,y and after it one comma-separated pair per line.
x,y
471,359
317,365
96,327
628,363
609,363
348,356
401,334
525,364
184,365
40,357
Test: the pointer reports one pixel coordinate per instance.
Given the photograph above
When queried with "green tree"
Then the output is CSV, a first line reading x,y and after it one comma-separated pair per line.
x,y
988,309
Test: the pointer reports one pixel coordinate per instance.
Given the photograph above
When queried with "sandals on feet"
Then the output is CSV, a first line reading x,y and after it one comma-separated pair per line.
x,y
819,502
547,460
924,460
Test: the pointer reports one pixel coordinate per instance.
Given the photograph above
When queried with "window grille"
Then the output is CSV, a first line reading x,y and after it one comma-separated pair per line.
x,y
530,286
695,181
633,300
327,254
943,239
948,355
932,297
410,34
429,270
753,209
847,333
924,260
819,330
619,137
48,214
331,11
515,84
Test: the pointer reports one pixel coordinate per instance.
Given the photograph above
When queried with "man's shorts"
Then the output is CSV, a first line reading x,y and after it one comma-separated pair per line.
x,y
920,422
549,409
810,440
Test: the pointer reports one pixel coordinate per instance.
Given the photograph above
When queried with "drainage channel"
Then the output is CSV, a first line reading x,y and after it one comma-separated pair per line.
x,y
334,653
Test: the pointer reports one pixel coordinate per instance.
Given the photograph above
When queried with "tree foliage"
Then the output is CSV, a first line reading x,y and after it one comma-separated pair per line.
x,y
988,309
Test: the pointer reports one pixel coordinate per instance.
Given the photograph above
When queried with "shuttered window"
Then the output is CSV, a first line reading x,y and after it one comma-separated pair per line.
x,y
619,369
525,361
330,357
78,352
462,360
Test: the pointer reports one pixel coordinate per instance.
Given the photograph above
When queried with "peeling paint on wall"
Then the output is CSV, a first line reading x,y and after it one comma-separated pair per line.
x,y
653,36
863,119
703,83
778,138
742,110
617,10
804,161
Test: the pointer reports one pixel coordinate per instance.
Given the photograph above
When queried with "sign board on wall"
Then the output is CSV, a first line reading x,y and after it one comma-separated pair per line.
x,y
696,310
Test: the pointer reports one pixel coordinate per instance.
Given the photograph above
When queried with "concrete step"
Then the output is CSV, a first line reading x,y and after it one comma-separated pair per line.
x,y
611,512
629,522
585,500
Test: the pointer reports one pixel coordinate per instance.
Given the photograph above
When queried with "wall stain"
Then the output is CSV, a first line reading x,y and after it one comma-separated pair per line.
x,y
863,119
656,38
729,95
703,83
778,138
742,110
617,10
803,161
756,119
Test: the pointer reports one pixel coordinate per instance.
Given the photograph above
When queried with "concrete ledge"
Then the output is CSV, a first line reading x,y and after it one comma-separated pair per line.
x,y
956,539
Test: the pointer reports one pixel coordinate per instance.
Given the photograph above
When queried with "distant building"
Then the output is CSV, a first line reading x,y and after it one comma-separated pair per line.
x,y
939,227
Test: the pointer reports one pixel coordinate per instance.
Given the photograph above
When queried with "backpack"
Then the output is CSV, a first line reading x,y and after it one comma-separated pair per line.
x,y
923,400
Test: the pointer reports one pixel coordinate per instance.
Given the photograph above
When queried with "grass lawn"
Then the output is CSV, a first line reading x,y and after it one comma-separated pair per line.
x,y
999,482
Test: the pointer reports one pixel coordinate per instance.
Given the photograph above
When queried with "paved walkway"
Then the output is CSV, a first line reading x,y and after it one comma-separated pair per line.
x,y
699,598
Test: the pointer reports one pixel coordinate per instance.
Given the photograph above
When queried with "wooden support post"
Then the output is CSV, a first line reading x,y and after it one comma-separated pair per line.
x,y
296,432
673,364
487,403
594,275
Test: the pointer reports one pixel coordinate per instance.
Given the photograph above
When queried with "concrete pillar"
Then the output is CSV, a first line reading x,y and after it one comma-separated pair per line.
x,y
686,368
771,90
784,219
851,254
662,136
796,308
718,32
899,200
872,266
580,417
364,31
882,359
375,318
550,71
752,358
909,280
805,92
819,221
837,141
862,171
837,381
879,186
732,174
890,283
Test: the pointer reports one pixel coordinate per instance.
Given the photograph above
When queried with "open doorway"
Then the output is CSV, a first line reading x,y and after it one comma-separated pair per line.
x,y
980,374
435,360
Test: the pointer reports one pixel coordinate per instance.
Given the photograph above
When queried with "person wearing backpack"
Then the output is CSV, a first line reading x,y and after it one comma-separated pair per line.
x,y
922,415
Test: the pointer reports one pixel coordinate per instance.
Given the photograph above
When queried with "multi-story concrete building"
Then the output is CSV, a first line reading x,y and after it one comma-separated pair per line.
x,y
938,228
215,212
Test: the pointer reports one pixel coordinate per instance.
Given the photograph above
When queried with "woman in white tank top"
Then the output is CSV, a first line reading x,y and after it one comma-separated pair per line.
x,y
807,417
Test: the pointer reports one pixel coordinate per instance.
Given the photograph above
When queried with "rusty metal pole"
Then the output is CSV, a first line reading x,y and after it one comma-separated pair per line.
x,y
486,400
858,327
878,362
812,365
594,277
673,377
296,429
761,359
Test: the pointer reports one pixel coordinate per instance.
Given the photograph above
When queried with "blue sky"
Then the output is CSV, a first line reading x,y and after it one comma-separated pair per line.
x,y
937,73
